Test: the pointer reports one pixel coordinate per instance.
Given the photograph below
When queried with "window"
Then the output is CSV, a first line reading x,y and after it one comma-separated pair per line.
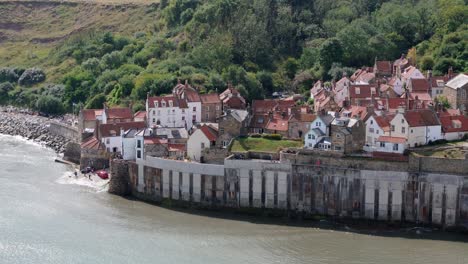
x,y
310,145
107,141
163,103
218,107
393,128
358,90
207,108
337,148
371,130
309,136
154,120
207,116
377,131
382,144
183,111
221,130
194,118
372,122
395,147
402,121
154,112
318,123
183,118
403,130
202,145
173,111
156,104
194,108
139,144
338,136
411,131
159,112
313,136
139,154
170,103
225,143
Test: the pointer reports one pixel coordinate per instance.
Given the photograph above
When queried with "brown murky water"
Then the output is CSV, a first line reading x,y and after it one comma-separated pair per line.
x,y
43,220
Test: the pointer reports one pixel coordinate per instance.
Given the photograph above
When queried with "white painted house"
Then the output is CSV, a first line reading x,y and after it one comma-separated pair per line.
x,y
129,144
387,144
319,129
110,134
377,126
419,127
168,111
203,138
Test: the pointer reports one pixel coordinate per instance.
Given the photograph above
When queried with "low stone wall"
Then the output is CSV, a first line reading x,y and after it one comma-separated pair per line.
x,y
120,178
72,152
66,131
438,165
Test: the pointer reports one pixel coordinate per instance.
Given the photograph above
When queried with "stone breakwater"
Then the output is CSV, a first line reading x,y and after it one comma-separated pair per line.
x,y
32,127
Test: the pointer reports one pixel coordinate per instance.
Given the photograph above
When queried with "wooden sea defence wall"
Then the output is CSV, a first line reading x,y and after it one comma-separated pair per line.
x,y
296,183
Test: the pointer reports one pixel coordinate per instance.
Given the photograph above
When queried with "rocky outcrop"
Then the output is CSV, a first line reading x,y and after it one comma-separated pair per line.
x,y
32,127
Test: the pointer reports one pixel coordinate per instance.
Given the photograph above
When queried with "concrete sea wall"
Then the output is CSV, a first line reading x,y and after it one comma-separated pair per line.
x,y
374,190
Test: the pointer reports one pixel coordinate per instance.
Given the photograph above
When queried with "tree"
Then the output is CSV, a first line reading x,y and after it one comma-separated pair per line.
x,y
32,76
49,105
440,99
330,51
426,63
96,102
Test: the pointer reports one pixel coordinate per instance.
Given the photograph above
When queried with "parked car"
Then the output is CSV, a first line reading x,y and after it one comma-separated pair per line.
x,y
103,174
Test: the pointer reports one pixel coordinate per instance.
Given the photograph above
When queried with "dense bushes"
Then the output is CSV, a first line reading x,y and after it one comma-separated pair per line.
x,y
31,76
49,105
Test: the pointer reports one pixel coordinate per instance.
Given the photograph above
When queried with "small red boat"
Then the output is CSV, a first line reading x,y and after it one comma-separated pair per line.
x,y
102,174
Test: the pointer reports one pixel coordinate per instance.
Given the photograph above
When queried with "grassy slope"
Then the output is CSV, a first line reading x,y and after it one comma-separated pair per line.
x,y
30,30
262,144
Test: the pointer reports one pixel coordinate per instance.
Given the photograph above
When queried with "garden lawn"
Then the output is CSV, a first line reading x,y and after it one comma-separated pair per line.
x,y
263,144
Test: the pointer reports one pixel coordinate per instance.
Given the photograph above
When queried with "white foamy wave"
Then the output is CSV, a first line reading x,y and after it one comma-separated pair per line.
x,y
95,183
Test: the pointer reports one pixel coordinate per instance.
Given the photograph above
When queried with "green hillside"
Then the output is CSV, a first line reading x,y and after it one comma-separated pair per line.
x,y
91,51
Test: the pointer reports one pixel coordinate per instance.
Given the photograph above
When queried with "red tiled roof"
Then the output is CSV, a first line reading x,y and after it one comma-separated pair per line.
x,y
176,102
398,140
119,112
394,103
263,106
356,111
186,90
92,143
105,130
420,85
435,79
212,98
422,117
209,132
384,121
302,117
454,123
177,147
421,96
234,102
278,123
364,91
384,66
140,114
154,141
91,114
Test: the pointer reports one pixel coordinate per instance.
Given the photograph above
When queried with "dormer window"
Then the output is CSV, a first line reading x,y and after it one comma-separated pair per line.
x,y
358,90
156,103
170,103
372,90
163,103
